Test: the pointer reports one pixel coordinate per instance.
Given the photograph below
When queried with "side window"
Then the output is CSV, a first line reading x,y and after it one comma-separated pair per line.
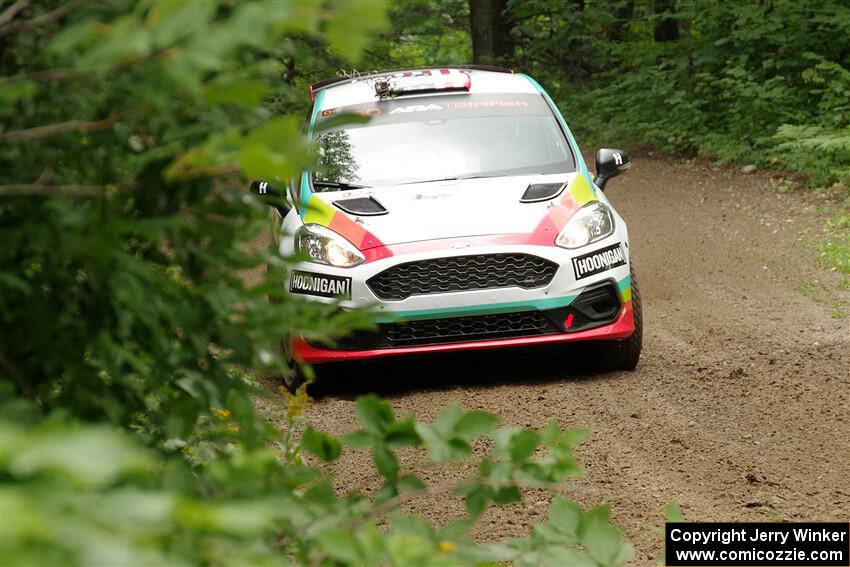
x,y
563,138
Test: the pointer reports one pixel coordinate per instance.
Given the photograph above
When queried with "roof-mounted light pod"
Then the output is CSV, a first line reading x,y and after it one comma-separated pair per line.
x,y
382,88
422,81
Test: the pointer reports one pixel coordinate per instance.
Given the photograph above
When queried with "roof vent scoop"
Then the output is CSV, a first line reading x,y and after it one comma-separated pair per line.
x,y
364,206
541,192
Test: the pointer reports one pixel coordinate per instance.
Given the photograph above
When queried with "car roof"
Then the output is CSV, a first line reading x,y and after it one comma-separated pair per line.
x,y
359,89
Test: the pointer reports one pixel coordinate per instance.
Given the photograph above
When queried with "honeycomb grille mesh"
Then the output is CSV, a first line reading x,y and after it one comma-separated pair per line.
x,y
459,329
462,273
449,330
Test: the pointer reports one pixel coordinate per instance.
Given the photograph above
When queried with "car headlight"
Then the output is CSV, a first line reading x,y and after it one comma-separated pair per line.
x,y
324,246
588,224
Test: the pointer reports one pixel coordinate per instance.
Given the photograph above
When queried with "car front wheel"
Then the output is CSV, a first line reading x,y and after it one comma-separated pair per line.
x,y
294,376
624,354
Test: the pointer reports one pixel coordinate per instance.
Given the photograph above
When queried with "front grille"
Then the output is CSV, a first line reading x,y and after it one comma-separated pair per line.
x,y
450,330
457,329
462,273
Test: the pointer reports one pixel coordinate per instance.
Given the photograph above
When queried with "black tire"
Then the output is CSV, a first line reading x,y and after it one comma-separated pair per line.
x,y
294,377
624,354
317,376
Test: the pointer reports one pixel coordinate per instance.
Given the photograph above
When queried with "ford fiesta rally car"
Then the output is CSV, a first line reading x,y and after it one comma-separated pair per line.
x,y
463,212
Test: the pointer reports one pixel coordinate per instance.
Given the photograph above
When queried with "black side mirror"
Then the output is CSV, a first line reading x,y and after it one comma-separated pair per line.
x,y
609,164
277,196
265,189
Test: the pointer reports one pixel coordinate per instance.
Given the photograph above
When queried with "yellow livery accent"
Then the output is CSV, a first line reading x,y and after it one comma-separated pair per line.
x,y
582,191
318,212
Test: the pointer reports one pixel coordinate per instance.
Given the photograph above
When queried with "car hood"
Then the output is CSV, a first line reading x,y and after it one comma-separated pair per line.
x,y
448,209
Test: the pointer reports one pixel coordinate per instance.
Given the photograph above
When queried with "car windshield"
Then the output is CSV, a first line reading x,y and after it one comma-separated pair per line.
x,y
440,137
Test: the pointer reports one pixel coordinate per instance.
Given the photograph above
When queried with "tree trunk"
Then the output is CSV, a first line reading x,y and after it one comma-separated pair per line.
x,y
490,29
666,26
622,12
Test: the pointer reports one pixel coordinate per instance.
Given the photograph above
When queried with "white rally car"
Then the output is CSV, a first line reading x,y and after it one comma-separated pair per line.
x,y
463,212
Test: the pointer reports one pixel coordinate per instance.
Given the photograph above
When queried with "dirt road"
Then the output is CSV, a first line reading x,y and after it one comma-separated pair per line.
x,y
739,408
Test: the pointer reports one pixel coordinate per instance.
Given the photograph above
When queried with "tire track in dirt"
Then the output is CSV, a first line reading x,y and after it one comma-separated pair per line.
x,y
739,408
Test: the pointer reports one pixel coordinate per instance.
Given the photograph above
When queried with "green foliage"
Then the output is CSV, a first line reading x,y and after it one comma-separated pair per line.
x,y
834,249
821,150
750,82
89,494
129,306
837,250
558,42
133,297
673,512
321,445
422,33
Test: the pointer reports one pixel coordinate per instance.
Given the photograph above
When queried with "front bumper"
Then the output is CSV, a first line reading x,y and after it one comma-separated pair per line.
x,y
553,303
622,328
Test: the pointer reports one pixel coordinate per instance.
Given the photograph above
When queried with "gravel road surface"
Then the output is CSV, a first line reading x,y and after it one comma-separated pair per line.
x,y
739,407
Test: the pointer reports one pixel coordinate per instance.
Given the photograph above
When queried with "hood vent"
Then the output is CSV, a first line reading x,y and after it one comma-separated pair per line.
x,y
365,206
541,192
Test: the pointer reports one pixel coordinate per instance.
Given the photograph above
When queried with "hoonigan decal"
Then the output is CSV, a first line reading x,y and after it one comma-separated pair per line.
x,y
599,261
323,285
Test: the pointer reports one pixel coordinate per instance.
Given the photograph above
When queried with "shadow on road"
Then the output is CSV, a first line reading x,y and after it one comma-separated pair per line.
x,y
400,376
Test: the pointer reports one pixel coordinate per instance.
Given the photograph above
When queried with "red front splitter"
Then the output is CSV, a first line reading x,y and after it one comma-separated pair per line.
x,y
620,329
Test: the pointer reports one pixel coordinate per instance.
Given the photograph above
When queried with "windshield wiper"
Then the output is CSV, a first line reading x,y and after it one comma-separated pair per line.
x,y
338,184
456,178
